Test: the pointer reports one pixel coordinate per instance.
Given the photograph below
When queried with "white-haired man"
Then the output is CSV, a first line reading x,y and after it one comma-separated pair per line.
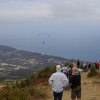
x,y
58,81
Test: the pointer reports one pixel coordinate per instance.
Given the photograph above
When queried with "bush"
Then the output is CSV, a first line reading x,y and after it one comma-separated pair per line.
x,y
38,94
25,89
45,73
81,66
98,74
93,72
66,64
32,91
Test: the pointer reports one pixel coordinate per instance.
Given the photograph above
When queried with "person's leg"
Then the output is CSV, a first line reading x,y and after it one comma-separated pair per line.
x,y
55,95
60,95
73,94
68,76
78,98
79,93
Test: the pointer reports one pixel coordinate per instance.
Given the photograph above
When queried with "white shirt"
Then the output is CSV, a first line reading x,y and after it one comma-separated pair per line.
x,y
64,69
84,64
58,81
68,68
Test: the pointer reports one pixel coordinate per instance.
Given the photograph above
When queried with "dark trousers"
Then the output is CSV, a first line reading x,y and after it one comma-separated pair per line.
x,y
57,96
68,75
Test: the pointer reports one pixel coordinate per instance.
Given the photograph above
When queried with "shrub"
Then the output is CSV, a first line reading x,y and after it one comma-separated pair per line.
x,y
41,95
25,89
66,64
32,91
98,74
93,72
38,93
45,73
81,66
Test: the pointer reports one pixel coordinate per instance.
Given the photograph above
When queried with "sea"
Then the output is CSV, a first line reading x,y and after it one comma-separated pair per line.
x,y
56,47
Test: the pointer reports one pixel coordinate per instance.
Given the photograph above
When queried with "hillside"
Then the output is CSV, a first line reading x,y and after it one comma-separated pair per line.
x,y
27,58
36,87
18,64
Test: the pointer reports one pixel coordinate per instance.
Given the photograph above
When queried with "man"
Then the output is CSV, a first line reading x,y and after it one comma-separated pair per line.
x,y
68,70
85,66
98,64
78,63
75,83
64,70
58,81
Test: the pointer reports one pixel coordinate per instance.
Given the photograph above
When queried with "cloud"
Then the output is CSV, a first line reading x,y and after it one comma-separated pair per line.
x,y
20,11
76,10
35,10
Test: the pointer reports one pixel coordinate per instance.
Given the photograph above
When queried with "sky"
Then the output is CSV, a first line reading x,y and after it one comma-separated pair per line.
x,y
72,25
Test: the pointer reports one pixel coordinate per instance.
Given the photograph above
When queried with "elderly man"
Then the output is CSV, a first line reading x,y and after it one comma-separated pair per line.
x,y
58,81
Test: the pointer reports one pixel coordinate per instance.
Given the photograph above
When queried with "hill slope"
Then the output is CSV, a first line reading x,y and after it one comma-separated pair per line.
x,y
16,64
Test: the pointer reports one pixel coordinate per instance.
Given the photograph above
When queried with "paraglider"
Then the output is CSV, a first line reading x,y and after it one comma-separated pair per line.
x,y
47,35
43,34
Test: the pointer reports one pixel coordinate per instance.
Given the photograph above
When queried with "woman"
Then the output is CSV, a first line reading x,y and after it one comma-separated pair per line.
x,y
75,83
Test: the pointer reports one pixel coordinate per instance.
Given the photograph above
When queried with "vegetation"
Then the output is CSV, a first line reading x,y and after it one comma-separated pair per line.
x,y
93,72
81,66
98,74
27,89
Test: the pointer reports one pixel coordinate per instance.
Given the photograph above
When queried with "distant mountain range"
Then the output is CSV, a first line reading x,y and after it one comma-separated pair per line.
x,y
14,56
24,58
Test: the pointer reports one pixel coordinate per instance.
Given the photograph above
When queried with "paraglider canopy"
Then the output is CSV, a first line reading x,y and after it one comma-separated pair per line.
x,y
44,34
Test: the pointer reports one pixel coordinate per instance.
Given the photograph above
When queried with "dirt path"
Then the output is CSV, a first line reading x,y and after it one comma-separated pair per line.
x,y
90,89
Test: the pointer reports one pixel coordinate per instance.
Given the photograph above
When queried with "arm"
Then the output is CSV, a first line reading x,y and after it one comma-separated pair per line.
x,y
51,79
66,81
70,82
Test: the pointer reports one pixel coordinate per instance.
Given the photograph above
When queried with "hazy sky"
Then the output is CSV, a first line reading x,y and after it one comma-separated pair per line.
x,y
73,26
49,11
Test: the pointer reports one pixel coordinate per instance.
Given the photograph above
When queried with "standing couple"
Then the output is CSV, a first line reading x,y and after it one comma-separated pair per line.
x,y
58,81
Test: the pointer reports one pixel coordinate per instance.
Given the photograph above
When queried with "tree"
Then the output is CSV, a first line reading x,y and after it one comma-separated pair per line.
x,y
93,72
